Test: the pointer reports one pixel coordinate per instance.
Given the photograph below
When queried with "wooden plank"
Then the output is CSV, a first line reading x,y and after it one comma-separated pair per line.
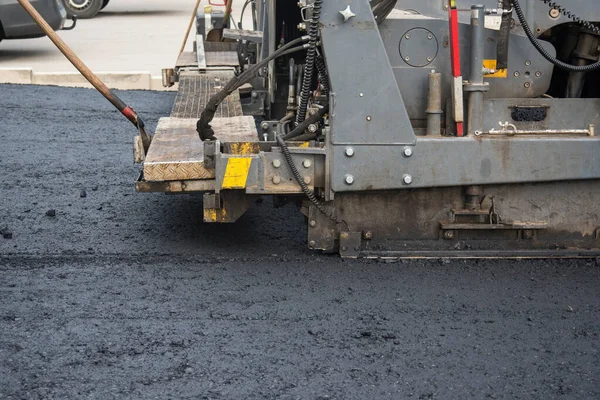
x,y
187,59
177,153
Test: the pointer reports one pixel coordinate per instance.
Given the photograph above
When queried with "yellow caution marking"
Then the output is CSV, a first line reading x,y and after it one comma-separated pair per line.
x,y
210,215
236,173
491,64
244,148
305,144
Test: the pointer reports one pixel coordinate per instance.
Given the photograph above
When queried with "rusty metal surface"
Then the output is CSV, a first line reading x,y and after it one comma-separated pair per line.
x,y
539,220
195,89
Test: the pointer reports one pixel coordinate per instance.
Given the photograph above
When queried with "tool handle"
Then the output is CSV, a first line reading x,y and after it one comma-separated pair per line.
x,y
189,28
127,111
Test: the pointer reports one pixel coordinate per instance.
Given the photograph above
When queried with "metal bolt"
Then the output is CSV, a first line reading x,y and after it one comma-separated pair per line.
x,y
430,36
307,179
276,179
368,235
306,163
407,36
429,58
528,63
538,74
264,126
528,234
554,13
449,234
407,152
356,248
312,243
254,94
349,179
312,112
361,94
349,152
516,74
344,248
312,128
276,163
368,117
527,84
312,223
407,179
407,58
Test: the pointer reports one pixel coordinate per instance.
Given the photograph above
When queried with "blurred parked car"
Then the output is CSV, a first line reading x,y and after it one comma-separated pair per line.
x,y
15,23
84,8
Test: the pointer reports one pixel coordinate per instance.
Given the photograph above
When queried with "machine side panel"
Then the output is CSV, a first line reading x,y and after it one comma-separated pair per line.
x,y
367,104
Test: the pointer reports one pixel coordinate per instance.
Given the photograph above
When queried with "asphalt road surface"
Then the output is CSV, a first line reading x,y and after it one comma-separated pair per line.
x,y
122,295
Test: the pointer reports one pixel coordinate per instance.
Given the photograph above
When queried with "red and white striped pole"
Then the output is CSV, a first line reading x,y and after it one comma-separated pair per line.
x,y
457,83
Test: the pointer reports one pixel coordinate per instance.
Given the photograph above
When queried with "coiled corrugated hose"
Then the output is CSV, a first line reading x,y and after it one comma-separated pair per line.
x,y
568,67
309,64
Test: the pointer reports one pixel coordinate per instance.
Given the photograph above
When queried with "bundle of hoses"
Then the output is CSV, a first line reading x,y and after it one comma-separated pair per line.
x,y
203,125
296,134
309,63
568,67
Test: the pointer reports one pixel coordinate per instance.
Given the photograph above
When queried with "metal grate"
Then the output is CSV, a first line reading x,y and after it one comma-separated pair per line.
x,y
196,89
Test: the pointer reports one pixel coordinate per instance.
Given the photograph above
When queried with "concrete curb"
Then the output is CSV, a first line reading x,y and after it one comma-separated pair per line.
x,y
131,80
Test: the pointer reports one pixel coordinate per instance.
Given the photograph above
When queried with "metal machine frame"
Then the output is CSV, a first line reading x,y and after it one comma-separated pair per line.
x,y
393,187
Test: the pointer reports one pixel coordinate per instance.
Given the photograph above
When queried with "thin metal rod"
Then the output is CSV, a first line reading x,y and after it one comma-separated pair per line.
x,y
189,28
475,108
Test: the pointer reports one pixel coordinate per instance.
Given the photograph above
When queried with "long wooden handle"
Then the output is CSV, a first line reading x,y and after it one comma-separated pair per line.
x,y
187,32
77,63
227,13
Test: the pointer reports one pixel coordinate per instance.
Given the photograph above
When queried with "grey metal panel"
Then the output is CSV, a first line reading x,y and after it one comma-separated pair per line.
x,y
453,161
561,113
367,106
587,9
413,81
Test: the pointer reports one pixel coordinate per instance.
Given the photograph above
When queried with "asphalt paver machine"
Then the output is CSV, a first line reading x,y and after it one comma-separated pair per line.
x,y
404,128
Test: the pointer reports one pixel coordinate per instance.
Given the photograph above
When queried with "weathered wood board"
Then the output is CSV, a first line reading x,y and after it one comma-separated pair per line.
x,y
177,153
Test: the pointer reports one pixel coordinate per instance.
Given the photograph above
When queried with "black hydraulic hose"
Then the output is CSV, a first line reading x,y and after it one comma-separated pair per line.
x,y
299,130
309,64
203,125
571,16
323,75
568,67
305,189
242,14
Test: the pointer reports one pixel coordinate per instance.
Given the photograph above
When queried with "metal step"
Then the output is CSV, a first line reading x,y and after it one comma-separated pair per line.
x,y
196,89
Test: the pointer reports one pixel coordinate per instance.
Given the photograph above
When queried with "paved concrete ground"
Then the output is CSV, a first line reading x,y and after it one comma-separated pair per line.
x,y
128,35
126,295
